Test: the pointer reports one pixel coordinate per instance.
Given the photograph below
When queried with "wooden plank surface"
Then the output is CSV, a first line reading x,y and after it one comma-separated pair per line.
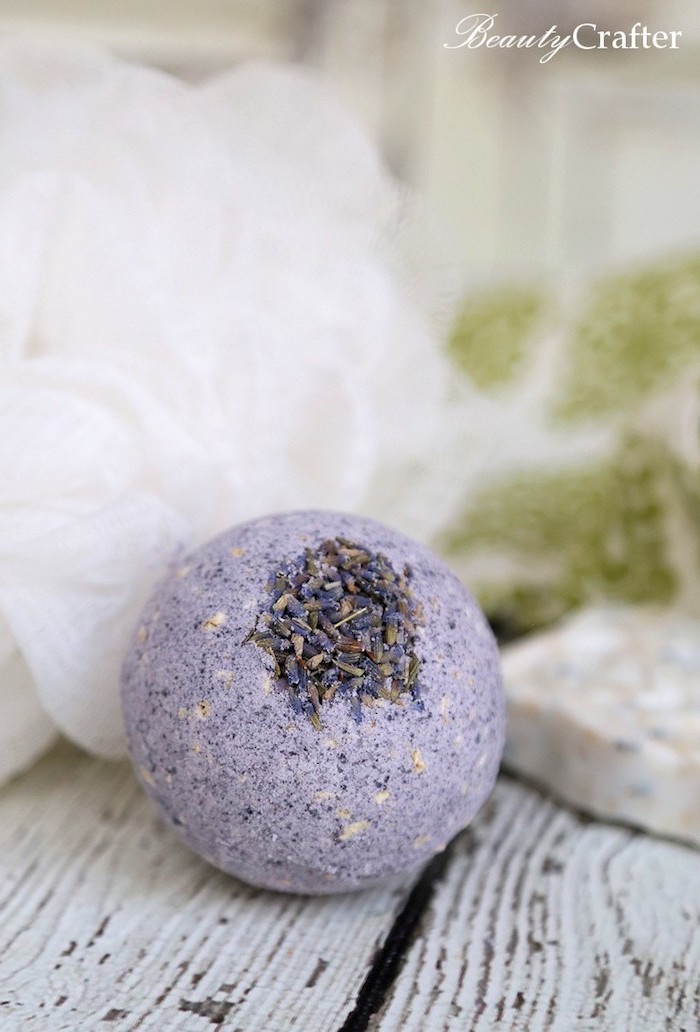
x,y
546,920
539,920
106,920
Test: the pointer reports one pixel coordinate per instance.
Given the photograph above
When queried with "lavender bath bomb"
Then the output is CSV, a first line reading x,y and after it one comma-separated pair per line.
x,y
313,701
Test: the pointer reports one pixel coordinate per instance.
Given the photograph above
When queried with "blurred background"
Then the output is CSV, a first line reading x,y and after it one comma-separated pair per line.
x,y
540,170
569,192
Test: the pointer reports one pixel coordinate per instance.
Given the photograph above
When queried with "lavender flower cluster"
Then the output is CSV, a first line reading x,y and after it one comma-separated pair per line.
x,y
341,621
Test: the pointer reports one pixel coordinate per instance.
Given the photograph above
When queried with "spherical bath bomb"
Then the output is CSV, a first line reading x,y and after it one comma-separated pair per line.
x,y
314,702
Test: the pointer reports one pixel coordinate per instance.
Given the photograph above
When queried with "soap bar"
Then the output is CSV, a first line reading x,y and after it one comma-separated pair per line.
x,y
605,711
314,702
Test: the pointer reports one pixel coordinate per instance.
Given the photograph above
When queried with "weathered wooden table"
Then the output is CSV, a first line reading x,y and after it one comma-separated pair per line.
x,y
535,918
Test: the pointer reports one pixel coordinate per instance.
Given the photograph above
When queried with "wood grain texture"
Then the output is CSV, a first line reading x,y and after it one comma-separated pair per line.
x,y
106,920
546,920
540,920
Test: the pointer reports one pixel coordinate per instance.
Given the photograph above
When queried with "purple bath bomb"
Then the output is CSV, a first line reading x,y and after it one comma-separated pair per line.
x,y
313,701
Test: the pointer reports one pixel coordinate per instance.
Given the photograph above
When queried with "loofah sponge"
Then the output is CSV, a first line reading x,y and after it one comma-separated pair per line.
x,y
210,309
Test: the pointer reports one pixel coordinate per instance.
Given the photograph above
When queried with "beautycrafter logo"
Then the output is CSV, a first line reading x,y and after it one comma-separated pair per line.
x,y
476,30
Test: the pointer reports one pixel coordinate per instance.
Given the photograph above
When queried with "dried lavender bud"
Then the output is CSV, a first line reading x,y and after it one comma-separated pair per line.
x,y
336,656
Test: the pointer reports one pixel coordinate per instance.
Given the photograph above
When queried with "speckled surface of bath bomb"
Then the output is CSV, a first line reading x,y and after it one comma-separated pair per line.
x,y
314,702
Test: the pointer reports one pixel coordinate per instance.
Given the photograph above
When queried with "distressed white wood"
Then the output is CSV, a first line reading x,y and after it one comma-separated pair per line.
x,y
543,920
548,921
106,920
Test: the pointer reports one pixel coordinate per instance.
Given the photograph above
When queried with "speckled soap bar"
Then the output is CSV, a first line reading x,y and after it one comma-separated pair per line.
x,y
314,702
605,711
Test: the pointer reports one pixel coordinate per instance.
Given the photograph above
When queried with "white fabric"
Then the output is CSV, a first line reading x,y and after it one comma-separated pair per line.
x,y
214,303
